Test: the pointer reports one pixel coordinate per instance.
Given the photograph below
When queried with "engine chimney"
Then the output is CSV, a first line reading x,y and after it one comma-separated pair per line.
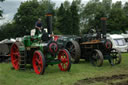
x,y
49,22
103,26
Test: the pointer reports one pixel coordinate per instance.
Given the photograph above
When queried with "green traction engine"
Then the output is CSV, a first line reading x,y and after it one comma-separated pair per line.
x,y
39,51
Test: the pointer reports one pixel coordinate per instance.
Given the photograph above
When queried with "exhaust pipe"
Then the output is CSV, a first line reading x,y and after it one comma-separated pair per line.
x,y
103,26
49,22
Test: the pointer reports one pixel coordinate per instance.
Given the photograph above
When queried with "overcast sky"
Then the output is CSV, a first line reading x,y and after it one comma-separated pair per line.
x,y
10,7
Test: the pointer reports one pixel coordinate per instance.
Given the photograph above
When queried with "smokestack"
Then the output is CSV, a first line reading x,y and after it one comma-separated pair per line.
x,y
103,26
49,23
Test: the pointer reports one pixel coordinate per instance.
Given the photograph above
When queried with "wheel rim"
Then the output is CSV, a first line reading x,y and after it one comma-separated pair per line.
x,y
64,58
15,56
37,63
97,58
116,57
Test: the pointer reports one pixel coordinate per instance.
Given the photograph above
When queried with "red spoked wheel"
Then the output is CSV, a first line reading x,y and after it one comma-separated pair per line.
x,y
65,58
38,62
15,56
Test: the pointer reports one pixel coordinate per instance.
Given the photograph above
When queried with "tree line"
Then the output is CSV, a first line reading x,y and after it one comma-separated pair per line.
x,y
69,18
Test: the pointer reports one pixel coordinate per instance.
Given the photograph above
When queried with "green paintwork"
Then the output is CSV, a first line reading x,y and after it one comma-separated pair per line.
x,y
35,41
21,48
27,41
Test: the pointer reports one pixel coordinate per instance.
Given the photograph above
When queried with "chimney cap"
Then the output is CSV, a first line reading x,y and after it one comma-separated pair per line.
x,y
48,14
103,18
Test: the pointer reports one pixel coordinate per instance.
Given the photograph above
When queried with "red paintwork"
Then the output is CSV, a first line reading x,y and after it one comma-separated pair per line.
x,y
37,62
15,56
56,37
64,57
108,45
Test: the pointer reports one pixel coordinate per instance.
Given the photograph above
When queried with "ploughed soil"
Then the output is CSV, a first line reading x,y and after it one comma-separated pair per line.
x,y
104,79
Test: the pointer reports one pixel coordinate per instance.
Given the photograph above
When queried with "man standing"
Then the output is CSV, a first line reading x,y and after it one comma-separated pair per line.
x,y
38,26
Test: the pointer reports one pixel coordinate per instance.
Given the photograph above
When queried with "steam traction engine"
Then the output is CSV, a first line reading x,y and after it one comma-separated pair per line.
x,y
39,51
94,47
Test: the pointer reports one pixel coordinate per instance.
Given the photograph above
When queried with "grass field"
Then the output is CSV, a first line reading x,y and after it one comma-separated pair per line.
x,y
81,74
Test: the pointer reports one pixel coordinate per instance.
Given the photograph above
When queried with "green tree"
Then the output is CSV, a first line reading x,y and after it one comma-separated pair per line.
x,y
1,11
46,6
8,31
26,16
125,9
29,12
94,10
68,22
60,19
68,18
75,19
66,5
116,18
89,13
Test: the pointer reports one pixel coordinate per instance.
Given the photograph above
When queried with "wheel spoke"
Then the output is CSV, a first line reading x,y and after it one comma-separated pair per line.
x,y
16,65
14,47
16,60
66,64
63,65
73,50
66,59
38,61
40,67
71,47
73,54
96,58
116,57
16,54
63,55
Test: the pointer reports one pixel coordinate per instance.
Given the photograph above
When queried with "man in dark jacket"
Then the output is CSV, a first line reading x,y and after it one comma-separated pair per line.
x,y
38,26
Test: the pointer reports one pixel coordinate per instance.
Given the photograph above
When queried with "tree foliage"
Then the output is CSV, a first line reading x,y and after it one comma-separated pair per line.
x,y
1,11
69,18
26,16
60,19
75,18
114,12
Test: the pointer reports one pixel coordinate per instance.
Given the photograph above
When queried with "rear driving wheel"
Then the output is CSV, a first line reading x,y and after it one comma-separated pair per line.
x,y
18,56
74,49
38,62
65,58
15,56
97,58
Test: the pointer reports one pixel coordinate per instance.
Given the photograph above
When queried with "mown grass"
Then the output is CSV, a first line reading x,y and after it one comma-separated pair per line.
x,y
53,76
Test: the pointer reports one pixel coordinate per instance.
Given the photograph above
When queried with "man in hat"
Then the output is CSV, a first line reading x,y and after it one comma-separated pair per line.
x,y
38,26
